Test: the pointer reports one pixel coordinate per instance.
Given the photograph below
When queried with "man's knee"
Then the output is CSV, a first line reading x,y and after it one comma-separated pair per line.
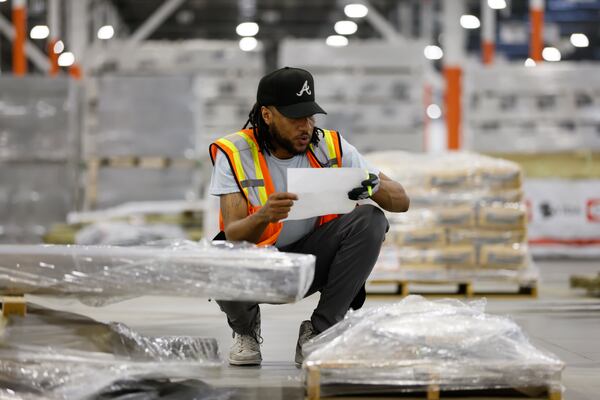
x,y
373,220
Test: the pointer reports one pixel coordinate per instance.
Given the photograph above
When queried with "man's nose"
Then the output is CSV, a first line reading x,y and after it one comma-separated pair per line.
x,y
305,123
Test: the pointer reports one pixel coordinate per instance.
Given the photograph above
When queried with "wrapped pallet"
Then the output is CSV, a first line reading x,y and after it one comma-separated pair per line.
x,y
59,355
467,220
418,345
98,275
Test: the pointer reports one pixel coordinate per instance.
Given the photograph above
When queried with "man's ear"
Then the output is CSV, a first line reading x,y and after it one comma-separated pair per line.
x,y
266,114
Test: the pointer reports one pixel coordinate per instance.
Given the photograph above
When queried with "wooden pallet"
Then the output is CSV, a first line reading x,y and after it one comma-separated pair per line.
x,y
431,392
463,289
591,284
14,305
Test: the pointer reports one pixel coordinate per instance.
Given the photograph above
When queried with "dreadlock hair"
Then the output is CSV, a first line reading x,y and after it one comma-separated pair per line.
x,y
262,133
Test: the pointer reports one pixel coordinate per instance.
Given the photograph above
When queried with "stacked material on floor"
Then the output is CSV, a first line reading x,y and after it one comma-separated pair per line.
x,y
415,344
466,220
57,355
102,274
129,224
138,210
46,373
127,234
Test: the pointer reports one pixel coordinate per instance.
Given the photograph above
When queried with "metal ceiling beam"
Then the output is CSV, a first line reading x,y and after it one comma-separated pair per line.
x,y
37,57
155,20
381,25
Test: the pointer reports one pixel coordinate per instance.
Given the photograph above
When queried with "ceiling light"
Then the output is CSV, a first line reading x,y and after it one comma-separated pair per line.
x,y
433,52
469,22
66,59
497,4
337,41
551,54
434,111
106,32
356,10
530,63
59,47
39,32
248,43
345,27
247,29
579,40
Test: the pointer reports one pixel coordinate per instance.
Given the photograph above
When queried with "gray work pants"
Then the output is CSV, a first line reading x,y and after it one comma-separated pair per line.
x,y
346,250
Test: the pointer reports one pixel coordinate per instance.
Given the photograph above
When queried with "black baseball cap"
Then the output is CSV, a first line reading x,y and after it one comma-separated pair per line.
x,y
291,91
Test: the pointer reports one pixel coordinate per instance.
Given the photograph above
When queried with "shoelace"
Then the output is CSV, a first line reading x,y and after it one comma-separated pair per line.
x,y
248,341
258,338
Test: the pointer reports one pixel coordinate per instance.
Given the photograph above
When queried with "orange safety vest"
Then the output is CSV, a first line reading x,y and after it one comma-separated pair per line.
x,y
252,174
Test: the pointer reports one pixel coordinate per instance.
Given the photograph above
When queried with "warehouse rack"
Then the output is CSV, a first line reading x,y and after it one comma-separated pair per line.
x,y
372,97
95,164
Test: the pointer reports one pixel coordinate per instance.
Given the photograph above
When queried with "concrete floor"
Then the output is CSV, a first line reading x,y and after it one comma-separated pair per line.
x,y
561,320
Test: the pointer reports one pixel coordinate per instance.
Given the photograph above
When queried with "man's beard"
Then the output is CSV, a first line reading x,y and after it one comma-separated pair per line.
x,y
279,141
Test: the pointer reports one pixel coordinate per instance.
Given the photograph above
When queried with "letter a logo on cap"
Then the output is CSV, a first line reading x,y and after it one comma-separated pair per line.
x,y
305,88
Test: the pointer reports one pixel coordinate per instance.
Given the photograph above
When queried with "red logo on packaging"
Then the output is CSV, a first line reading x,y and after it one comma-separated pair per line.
x,y
593,210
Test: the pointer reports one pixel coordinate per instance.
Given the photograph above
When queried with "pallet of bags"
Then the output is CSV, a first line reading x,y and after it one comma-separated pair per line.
x,y
467,220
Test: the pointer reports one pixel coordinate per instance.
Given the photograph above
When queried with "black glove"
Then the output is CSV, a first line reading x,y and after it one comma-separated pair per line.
x,y
368,188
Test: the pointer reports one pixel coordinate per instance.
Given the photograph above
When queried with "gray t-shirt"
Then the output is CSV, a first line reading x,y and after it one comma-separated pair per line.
x,y
223,182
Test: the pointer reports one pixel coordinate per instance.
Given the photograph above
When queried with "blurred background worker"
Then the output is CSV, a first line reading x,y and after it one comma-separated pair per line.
x,y
250,176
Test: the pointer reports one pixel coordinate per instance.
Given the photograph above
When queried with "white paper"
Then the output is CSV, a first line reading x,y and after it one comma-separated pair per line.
x,y
322,191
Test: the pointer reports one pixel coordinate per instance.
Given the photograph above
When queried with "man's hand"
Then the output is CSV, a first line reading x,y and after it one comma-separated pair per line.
x,y
277,207
367,189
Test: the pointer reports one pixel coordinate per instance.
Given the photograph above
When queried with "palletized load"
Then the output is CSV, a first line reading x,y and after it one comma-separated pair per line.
x,y
450,172
55,355
415,344
36,373
103,274
466,220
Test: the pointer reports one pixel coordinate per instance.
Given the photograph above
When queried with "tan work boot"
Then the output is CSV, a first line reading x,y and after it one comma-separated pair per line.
x,y
307,332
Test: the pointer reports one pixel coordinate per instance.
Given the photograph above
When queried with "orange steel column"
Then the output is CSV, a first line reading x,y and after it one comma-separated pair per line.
x,y
427,100
19,19
454,43
53,71
536,44
488,33
75,71
488,49
452,99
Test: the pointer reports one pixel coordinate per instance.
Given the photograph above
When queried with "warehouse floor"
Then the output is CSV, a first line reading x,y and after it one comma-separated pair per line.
x,y
563,321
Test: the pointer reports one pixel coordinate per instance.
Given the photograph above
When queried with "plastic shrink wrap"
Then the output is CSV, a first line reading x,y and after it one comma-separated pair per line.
x,y
102,274
40,372
466,219
127,234
416,343
61,355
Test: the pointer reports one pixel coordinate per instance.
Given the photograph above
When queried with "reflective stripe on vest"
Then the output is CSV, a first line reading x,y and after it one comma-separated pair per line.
x,y
252,174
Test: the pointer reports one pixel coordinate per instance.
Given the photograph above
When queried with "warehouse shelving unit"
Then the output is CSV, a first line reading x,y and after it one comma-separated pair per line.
x,y
547,119
373,97
39,130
